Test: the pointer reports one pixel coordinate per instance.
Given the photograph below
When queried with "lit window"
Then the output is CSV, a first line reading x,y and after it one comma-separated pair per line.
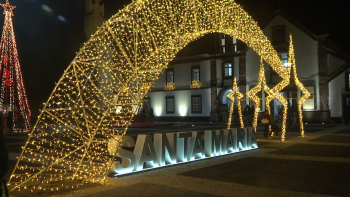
x,y
284,58
223,43
228,70
170,104
234,43
196,104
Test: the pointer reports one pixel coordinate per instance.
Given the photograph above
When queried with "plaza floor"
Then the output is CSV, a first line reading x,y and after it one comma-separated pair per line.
x,y
315,165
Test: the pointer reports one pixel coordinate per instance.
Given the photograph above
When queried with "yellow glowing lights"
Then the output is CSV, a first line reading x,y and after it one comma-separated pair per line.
x,y
170,86
252,93
231,96
195,84
304,91
114,72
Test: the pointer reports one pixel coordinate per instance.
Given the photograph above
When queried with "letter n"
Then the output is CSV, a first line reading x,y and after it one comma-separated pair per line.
x,y
162,144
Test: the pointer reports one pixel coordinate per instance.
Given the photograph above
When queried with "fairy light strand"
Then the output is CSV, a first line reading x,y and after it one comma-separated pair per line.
x,y
231,96
13,92
304,91
107,80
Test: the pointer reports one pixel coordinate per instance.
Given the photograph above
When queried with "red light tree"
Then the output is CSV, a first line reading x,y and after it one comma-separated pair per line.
x,y
12,93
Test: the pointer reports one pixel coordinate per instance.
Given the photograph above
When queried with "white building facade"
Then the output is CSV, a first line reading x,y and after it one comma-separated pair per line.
x,y
324,72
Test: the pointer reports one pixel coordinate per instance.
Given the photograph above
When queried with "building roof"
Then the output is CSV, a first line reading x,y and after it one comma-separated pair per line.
x,y
332,48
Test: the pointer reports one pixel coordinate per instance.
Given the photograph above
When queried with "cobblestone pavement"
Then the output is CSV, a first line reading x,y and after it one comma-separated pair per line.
x,y
315,165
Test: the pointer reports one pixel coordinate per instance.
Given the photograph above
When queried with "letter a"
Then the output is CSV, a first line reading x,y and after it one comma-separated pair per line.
x,y
144,152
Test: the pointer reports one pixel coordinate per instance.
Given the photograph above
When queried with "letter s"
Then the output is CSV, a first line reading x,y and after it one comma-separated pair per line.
x,y
128,158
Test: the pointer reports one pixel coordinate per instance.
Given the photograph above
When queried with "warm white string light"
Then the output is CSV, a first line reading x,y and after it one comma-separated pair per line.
x,y
115,70
231,96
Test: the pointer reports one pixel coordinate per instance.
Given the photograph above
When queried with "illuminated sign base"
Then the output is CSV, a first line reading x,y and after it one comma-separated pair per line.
x,y
174,148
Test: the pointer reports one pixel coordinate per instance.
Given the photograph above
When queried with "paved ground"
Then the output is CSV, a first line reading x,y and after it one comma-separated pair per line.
x,y
316,165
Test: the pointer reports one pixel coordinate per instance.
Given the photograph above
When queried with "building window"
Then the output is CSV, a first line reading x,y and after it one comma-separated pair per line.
x,y
223,43
284,58
278,35
347,81
234,44
227,70
170,85
195,73
170,75
196,104
195,77
170,104
228,44
273,74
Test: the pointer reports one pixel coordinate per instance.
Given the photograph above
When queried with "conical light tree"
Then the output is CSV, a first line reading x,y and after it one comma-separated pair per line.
x,y
12,93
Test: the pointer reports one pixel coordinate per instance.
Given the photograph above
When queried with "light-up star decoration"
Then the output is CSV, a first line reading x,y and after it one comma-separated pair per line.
x,y
252,93
304,91
231,96
274,93
8,8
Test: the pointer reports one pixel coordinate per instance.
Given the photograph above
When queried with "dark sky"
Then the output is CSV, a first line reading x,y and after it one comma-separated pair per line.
x,y
50,32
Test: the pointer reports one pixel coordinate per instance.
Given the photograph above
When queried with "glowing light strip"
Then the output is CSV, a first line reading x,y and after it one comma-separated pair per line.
x,y
304,91
231,96
252,93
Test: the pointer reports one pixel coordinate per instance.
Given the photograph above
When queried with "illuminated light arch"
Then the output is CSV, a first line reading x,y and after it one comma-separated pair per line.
x,y
106,82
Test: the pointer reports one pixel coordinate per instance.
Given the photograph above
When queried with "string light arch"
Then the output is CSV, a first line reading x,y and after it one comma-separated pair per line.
x,y
106,82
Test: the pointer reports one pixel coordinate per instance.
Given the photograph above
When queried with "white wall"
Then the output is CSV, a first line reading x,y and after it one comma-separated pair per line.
x,y
205,74
182,93
182,102
236,67
253,65
334,63
182,75
305,49
336,89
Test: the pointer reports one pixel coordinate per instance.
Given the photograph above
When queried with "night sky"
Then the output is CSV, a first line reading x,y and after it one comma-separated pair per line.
x,y
49,33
